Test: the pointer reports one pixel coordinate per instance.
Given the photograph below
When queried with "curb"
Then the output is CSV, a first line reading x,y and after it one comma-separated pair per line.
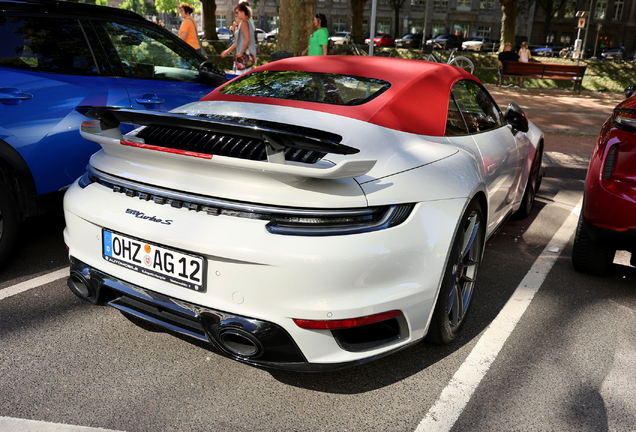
x,y
565,165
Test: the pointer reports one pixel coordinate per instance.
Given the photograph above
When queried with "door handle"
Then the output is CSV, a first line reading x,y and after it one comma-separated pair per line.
x,y
150,99
13,96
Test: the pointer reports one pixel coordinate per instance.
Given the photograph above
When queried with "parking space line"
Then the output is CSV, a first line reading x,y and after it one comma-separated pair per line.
x,y
34,283
454,398
15,424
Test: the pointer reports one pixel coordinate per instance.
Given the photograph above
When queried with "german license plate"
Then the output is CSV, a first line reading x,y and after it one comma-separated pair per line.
x,y
154,260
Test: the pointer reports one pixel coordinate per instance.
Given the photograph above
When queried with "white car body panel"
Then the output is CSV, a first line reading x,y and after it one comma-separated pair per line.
x,y
275,278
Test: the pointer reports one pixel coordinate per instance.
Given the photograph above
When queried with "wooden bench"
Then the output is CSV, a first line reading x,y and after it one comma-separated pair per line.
x,y
544,71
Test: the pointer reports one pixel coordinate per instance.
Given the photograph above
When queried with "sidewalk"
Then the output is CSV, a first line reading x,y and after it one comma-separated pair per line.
x,y
569,121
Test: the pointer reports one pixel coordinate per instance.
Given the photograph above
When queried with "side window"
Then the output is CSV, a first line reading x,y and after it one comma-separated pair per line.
x,y
455,124
145,53
54,45
479,110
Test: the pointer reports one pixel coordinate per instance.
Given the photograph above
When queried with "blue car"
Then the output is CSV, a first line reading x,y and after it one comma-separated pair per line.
x,y
58,55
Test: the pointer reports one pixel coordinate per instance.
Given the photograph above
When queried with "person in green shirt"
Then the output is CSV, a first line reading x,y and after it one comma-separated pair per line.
x,y
319,41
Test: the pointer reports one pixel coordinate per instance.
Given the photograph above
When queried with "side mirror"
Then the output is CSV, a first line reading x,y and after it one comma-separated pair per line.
x,y
516,118
629,91
210,73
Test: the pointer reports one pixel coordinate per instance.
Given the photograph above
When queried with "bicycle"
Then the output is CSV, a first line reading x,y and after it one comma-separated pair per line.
x,y
459,61
353,49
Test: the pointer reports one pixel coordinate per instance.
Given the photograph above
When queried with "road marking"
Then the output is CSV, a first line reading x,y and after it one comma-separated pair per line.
x,y
21,425
34,283
454,398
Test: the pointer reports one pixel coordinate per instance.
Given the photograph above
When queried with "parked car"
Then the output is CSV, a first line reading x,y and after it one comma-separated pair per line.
x,y
479,43
296,241
382,40
272,35
260,35
446,41
411,40
341,38
607,222
224,33
56,55
614,54
545,51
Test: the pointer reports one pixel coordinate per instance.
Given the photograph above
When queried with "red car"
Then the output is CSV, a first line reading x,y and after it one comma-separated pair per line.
x,y
382,40
608,218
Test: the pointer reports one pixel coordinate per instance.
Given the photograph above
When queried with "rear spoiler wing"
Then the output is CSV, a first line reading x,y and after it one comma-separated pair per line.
x,y
277,137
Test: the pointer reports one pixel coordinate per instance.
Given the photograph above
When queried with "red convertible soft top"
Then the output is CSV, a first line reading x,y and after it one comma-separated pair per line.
x,y
417,101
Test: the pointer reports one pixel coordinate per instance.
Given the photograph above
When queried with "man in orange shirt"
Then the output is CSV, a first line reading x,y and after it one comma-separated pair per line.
x,y
188,29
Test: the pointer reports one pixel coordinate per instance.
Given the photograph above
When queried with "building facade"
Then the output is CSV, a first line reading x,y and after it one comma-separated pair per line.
x,y
463,17
609,23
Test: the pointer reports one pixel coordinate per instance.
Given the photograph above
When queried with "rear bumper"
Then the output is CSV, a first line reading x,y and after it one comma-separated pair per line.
x,y
248,340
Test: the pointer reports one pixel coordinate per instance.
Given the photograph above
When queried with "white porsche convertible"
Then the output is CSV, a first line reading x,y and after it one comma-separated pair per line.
x,y
313,214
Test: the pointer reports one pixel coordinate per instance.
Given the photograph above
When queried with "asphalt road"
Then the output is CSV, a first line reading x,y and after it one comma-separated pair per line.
x,y
568,362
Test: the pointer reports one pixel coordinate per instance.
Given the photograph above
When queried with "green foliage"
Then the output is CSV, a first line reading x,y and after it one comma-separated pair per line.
x,y
139,6
167,5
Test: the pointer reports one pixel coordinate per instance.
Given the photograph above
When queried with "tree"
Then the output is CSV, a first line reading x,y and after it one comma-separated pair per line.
x,y
209,19
397,6
295,24
508,22
550,7
357,19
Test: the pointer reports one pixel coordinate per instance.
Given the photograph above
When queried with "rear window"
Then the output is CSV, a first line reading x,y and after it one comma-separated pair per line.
x,y
333,89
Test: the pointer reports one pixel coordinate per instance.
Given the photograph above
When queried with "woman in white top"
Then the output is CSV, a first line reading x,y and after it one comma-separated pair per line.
x,y
524,53
524,56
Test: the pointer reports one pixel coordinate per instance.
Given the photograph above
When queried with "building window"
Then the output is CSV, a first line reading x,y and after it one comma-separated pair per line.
x,y
601,9
384,26
566,39
618,9
415,27
570,9
486,4
272,23
463,4
483,31
439,29
365,26
461,30
442,3
220,21
550,38
418,2
339,24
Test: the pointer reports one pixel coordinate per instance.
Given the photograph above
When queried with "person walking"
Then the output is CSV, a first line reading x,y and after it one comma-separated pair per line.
x,y
244,41
319,40
524,57
188,31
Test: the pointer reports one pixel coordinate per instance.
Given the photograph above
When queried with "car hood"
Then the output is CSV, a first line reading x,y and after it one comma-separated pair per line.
x,y
382,153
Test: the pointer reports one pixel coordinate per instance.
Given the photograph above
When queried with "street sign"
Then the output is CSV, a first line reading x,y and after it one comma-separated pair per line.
x,y
581,23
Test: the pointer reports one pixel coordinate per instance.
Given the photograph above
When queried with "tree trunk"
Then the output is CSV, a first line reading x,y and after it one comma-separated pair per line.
x,y
357,18
508,22
295,24
209,19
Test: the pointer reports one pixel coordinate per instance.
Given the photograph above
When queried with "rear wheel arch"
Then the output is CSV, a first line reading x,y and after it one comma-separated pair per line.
x,y
17,178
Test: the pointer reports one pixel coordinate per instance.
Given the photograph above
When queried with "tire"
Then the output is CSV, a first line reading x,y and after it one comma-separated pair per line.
x,y
456,293
589,257
463,63
9,223
532,187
